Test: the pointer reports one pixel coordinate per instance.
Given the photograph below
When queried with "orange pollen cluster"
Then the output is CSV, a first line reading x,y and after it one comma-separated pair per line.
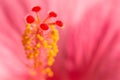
x,y
40,41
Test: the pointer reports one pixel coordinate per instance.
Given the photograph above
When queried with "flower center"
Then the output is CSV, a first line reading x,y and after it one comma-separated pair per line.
x,y
40,42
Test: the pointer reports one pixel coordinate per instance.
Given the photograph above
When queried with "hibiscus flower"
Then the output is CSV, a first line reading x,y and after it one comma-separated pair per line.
x,y
88,45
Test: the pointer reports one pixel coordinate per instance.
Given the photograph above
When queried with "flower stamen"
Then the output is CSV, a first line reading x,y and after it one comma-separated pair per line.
x,y
40,42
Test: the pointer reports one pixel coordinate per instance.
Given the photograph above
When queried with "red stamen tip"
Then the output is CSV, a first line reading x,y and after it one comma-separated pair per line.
x,y
52,14
59,23
36,8
30,19
44,26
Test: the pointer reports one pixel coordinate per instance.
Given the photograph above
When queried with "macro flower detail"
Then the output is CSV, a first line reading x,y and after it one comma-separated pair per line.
x,y
40,39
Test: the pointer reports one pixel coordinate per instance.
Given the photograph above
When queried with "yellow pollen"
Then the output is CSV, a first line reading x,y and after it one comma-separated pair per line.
x,y
40,37
30,56
38,45
52,53
49,72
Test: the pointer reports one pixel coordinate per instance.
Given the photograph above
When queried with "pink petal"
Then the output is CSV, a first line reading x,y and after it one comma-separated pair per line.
x,y
94,45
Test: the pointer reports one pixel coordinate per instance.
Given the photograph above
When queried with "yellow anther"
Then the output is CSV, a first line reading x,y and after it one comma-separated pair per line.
x,y
52,27
39,37
55,50
49,46
54,32
49,72
38,45
45,44
25,36
55,38
27,30
36,54
48,69
27,26
50,61
30,56
28,47
53,44
54,35
52,53
27,41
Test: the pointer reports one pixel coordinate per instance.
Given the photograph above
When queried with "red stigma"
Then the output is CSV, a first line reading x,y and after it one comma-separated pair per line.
x,y
59,23
52,14
44,26
36,8
30,19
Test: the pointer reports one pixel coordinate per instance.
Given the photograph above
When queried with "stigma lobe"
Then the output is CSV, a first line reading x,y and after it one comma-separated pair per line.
x,y
59,23
44,26
36,9
52,14
30,19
